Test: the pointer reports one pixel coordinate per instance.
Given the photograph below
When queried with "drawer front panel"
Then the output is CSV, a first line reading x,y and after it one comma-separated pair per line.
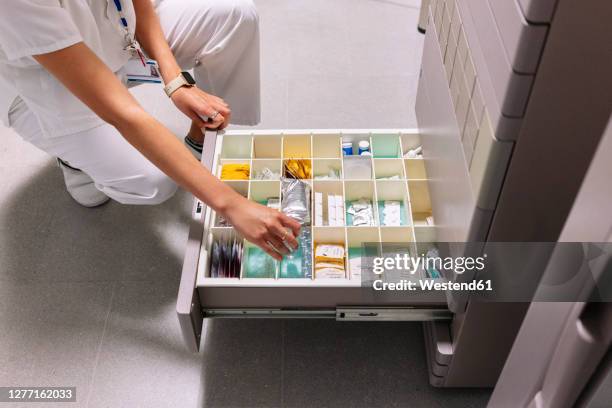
x,y
523,42
457,131
486,158
511,88
453,201
248,297
538,11
489,163
188,304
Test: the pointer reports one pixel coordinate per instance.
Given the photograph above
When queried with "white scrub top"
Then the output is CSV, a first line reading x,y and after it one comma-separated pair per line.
x,y
32,27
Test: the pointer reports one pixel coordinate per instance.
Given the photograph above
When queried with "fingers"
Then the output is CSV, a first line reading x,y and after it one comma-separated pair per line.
x,y
279,239
290,223
218,105
215,118
219,100
269,249
216,123
277,243
285,235
213,99
224,110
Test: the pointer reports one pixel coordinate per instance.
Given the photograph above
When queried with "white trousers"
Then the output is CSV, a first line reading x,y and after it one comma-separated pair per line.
x,y
219,40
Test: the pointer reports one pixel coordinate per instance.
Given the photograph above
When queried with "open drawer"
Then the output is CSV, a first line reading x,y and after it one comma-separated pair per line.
x,y
262,287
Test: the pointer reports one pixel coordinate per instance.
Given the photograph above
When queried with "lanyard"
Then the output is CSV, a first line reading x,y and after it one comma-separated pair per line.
x,y
132,44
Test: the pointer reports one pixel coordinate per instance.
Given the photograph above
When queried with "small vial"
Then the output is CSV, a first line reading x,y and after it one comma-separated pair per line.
x,y
347,148
364,146
415,153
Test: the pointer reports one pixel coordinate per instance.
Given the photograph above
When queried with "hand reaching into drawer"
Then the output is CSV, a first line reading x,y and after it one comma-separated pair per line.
x,y
266,227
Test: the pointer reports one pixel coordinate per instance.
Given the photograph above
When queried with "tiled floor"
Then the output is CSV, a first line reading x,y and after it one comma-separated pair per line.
x,y
87,296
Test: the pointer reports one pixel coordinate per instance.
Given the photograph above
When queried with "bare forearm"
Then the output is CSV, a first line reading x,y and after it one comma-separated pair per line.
x,y
169,154
151,37
95,85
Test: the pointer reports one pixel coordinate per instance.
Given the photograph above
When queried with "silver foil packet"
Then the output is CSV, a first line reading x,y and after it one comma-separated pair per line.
x,y
296,199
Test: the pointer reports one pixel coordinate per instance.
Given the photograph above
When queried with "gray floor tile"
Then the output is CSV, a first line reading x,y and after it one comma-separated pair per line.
x,y
150,241
274,27
142,360
274,110
369,49
322,358
29,197
352,102
51,332
242,363
340,364
319,37
48,237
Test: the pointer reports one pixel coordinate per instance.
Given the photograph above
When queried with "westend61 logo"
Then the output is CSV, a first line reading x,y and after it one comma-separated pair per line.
x,y
405,264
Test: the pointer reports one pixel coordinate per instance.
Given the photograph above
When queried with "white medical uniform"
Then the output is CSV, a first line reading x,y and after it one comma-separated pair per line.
x,y
218,39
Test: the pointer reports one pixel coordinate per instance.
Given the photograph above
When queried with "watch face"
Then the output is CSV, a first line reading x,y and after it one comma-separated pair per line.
x,y
188,78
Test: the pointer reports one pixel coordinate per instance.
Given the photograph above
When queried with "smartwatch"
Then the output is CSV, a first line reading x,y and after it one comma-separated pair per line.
x,y
184,79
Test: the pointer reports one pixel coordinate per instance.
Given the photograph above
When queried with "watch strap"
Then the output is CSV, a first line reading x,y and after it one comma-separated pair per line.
x,y
175,84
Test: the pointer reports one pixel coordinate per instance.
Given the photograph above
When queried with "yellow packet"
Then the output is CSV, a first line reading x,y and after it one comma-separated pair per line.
x,y
235,171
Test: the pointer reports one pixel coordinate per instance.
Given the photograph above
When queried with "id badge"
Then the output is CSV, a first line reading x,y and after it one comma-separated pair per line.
x,y
136,72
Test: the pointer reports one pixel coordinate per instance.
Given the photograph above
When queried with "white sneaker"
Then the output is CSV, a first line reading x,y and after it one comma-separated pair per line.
x,y
81,187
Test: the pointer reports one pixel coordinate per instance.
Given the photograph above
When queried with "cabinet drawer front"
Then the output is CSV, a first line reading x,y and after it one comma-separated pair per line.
x,y
188,305
523,42
511,88
538,11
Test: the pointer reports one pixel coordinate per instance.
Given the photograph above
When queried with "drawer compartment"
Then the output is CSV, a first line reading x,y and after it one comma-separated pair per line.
x,y
361,185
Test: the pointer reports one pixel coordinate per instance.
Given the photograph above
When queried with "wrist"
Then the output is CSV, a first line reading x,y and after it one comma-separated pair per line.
x,y
229,202
183,80
168,68
170,74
